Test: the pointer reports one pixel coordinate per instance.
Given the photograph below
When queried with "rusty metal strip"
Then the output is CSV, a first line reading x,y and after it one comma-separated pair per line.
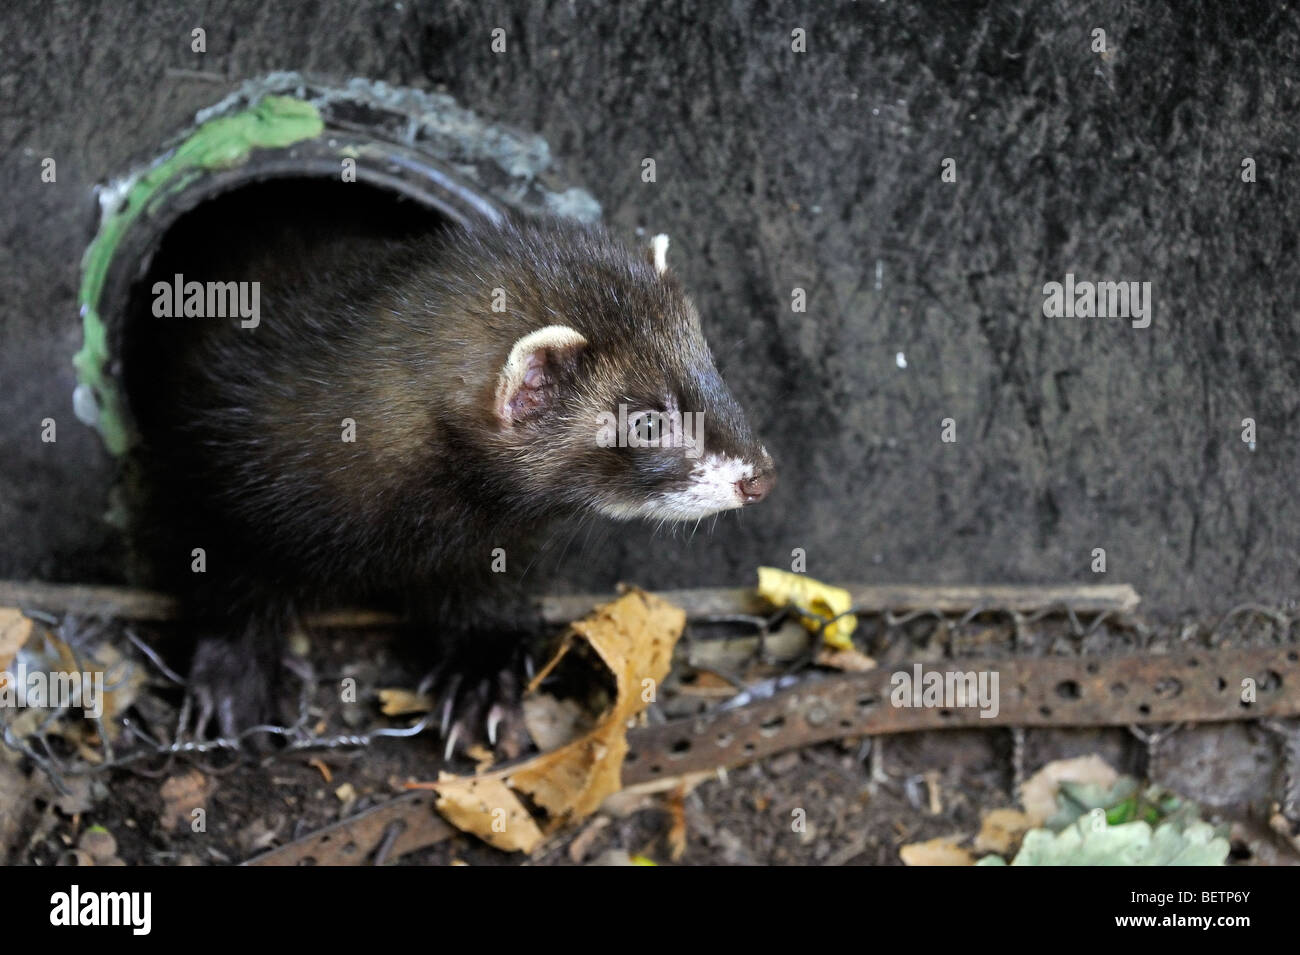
x,y
1200,686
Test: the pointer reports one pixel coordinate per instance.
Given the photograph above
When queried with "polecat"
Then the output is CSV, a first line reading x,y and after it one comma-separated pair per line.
x,y
405,416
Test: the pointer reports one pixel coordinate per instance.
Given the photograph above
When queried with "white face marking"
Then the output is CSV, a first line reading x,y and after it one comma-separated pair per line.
x,y
712,489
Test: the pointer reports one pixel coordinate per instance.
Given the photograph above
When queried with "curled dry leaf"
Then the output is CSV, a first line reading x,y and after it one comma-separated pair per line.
x,y
633,637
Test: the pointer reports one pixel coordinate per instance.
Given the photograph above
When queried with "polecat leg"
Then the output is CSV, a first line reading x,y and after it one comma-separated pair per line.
x,y
234,676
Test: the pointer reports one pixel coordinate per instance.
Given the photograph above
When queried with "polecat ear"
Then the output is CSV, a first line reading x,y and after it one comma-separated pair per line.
x,y
531,375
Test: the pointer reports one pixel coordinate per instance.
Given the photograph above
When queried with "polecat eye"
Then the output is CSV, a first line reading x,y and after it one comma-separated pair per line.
x,y
646,425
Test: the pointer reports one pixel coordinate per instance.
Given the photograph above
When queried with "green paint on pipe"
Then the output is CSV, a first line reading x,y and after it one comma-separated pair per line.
x,y
221,143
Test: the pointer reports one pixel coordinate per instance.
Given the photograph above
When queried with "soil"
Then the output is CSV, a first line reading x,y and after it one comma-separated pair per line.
x,y
858,800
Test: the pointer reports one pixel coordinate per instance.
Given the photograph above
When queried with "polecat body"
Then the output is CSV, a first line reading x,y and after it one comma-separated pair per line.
x,y
405,415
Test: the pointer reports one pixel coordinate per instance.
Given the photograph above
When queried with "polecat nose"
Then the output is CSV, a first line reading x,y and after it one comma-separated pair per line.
x,y
754,489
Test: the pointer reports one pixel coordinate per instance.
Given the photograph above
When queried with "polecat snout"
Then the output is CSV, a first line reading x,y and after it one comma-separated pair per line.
x,y
404,415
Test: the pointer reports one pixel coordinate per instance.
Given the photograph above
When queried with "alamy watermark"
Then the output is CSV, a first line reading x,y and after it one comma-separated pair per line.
x,y
133,910
946,690
1071,299
651,429
181,299
52,689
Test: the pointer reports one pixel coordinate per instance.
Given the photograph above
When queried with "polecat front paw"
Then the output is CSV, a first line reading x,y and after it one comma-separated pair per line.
x,y
478,697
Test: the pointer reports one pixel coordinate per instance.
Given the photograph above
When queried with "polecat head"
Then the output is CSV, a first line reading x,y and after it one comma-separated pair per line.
x,y
611,399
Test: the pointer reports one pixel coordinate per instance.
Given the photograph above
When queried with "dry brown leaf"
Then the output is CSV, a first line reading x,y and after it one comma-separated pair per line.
x,y
482,756
1280,824
14,631
181,796
850,661
932,785
106,667
941,851
1001,830
634,637
706,680
399,702
1038,794
487,807
709,685
123,695
677,831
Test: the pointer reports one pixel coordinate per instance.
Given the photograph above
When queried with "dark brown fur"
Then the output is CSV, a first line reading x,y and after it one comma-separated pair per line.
x,y
243,433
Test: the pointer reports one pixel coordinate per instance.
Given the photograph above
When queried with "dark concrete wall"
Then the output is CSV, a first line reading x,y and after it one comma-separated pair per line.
x,y
778,170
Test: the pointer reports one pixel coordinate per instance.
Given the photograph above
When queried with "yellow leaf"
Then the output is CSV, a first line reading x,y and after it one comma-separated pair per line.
x,y
824,602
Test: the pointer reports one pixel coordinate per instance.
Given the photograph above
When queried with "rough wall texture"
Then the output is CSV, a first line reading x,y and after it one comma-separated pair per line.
x,y
818,170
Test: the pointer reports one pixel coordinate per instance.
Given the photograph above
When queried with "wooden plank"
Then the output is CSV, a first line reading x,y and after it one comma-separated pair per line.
x,y
880,597
126,603
130,603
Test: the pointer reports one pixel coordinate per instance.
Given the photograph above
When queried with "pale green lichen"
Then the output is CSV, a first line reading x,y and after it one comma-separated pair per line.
x,y
220,143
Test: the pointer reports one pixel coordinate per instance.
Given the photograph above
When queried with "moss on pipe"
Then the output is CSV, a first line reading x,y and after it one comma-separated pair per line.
x,y
220,143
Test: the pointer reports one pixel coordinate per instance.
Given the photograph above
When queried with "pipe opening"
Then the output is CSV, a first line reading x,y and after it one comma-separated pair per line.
x,y
240,252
